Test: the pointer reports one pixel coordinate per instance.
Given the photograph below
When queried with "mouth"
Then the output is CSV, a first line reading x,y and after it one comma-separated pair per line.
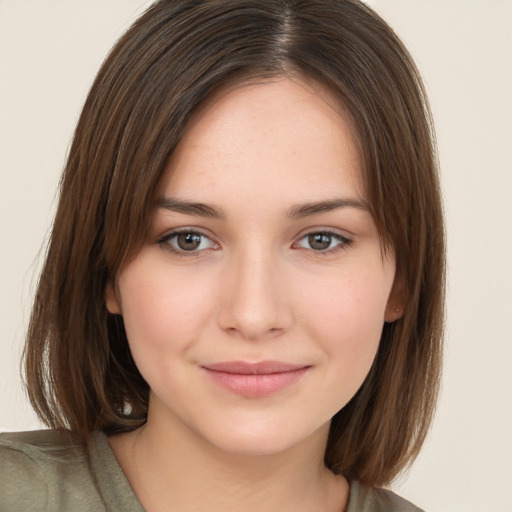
x,y
255,380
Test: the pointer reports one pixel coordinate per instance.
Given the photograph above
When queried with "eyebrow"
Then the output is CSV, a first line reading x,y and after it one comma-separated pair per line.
x,y
190,208
298,211
305,210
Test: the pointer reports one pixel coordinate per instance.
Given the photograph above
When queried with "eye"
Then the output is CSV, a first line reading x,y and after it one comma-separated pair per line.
x,y
324,241
187,241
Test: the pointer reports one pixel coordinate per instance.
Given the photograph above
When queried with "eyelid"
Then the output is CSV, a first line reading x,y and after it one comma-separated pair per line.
x,y
164,240
344,240
336,232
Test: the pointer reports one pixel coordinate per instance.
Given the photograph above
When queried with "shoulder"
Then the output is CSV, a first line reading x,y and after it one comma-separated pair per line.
x,y
41,470
21,479
40,448
366,499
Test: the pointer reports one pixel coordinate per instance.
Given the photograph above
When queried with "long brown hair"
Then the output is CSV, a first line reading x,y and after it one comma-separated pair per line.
x,y
79,371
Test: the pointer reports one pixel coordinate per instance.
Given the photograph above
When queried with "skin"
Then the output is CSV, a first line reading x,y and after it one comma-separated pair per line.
x,y
256,288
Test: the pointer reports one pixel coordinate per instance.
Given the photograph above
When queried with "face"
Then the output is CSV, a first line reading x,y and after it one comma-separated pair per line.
x,y
255,308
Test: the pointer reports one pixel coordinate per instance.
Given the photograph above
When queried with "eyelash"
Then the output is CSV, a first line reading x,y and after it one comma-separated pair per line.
x,y
166,240
343,244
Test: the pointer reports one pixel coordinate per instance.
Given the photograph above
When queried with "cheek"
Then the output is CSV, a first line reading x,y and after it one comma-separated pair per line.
x,y
162,312
347,320
354,304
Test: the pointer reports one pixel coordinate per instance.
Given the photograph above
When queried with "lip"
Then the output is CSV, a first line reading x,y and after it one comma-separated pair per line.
x,y
255,380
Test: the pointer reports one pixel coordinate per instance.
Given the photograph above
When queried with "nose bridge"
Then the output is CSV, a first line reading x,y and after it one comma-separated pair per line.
x,y
254,302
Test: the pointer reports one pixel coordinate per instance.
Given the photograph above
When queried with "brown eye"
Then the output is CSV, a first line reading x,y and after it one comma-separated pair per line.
x,y
183,242
188,241
320,241
324,242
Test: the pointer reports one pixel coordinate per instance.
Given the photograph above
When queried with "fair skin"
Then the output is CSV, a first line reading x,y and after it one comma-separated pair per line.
x,y
255,308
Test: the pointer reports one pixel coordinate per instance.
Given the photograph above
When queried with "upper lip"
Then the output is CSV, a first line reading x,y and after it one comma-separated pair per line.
x,y
248,368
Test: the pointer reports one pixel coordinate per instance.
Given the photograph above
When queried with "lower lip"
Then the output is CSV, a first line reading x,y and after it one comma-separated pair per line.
x,y
256,385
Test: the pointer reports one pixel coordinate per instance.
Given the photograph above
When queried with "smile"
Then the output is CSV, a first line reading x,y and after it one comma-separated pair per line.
x,y
255,380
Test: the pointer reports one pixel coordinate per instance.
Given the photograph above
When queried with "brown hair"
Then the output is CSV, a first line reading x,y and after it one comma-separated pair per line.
x,y
79,370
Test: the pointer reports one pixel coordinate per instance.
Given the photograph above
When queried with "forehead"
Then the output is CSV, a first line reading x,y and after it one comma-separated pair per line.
x,y
286,135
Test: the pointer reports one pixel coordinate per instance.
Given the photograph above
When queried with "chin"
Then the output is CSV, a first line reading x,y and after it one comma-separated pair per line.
x,y
264,438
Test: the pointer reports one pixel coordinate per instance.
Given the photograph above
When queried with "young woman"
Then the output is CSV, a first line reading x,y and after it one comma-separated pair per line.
x,y
241,306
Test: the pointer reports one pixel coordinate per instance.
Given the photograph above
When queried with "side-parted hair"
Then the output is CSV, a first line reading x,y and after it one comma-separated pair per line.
x,y
80,374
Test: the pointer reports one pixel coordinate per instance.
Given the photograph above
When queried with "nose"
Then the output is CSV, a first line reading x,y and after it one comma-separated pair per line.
x,y
254,299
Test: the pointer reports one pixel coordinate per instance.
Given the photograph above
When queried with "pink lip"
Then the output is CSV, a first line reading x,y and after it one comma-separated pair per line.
x,y
255,379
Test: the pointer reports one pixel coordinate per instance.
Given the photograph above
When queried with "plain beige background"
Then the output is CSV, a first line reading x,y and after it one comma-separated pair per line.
x,y
49,53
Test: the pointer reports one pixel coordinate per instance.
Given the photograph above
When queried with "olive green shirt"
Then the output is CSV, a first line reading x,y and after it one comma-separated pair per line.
x,y
44,471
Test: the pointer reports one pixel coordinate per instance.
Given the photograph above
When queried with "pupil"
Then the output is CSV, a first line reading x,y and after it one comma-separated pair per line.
x,y
189,241
319,242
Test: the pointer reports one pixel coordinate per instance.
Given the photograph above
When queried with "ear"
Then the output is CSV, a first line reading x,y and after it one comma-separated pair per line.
x,y
395,305
113,303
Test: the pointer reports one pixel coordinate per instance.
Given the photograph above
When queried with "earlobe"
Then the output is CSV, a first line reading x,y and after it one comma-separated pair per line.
x,y
393,313
395,305
111,300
